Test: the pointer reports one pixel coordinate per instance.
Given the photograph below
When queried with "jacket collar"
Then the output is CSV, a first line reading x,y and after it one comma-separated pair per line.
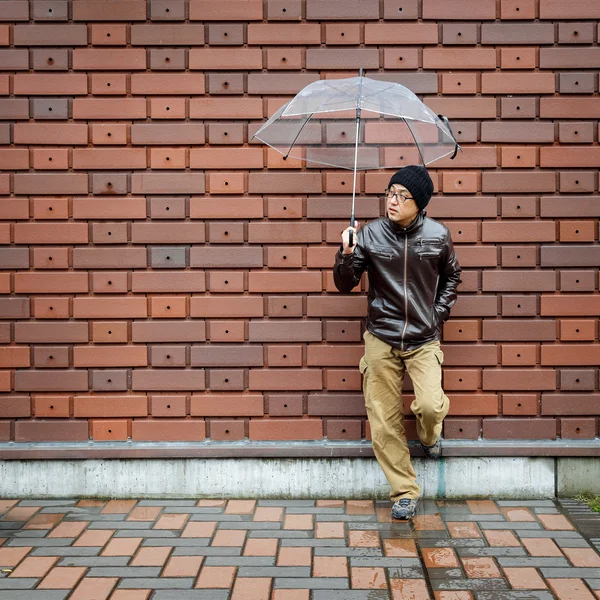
x,y
414,226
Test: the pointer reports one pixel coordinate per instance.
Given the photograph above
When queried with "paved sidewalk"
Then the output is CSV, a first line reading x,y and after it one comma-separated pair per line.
x,y
297,550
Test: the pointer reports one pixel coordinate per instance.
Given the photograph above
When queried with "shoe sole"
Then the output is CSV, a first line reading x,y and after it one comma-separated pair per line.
x,y
429,454
403,515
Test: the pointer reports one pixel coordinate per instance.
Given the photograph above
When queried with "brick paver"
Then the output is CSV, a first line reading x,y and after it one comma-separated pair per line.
x,y
294,550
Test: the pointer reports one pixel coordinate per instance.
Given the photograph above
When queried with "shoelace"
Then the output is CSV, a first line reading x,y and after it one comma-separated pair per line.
x,y
405,502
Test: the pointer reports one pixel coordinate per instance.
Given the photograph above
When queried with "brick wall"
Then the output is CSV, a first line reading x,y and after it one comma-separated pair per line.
x,y
164,279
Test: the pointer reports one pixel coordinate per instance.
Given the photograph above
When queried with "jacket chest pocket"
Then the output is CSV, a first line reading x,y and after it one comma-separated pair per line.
x,y
429,248
382,252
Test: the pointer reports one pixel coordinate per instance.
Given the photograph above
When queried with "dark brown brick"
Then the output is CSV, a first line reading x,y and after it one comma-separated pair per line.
x,y
578,428
353,9
462,429
519,330
519,379
56,430
570,256
571,404
578,379
227,405
15,406
532,429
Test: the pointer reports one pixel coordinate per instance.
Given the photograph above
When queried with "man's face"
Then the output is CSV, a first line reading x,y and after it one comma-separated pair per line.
x,y
398,211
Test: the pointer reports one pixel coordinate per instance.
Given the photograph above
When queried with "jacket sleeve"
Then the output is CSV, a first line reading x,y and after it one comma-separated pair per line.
x,y
449,280
348,268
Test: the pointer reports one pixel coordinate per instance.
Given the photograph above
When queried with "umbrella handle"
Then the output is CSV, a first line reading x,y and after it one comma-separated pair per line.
x,y
351,238
447,124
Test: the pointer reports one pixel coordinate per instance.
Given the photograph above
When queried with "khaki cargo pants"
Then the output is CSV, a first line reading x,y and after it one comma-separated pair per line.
x,y
382,367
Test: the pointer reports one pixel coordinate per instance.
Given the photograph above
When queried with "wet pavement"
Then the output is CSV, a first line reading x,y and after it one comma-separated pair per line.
x,y
88,549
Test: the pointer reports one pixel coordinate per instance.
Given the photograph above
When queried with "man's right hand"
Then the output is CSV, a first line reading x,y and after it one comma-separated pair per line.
x,y
346,238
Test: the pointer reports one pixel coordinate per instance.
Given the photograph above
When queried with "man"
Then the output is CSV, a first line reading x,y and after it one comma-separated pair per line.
x,y
413,276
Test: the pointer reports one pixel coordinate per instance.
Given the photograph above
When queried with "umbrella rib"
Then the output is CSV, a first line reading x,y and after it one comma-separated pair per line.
x,y
415,140
327,84
299,132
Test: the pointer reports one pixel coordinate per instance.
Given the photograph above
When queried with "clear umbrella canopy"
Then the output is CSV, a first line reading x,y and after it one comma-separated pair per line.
x,y
395,128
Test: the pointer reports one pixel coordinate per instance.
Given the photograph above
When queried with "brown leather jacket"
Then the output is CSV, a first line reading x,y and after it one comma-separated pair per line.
x,y
413,276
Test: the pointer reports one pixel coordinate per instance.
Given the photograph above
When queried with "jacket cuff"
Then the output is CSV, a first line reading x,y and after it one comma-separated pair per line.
x,y
345,257
443,312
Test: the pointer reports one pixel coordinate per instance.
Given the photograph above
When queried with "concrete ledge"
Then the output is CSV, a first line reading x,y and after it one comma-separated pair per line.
x,y
484,477
256,449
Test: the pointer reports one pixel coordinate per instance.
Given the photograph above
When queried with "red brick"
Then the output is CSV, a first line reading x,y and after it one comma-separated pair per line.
x,y
353,9
92,10
577,330
167,83
341,58
54,430
460,83
300,281
461,183
570,108
285,379
519,354
462,379
519,330
579,9
517,83
578,428
233,10
524,181
286,429
518,231
578,206
570,354
518,157
464,58
520,404
473,404
156,430
167,34
342,34
14,158
519,379
167,108
278,83
106,59
519,428
569,305
284,33
103,34
109,108
569,156
225,405
15,406
113,406
464,9
462,428
56,83
225,58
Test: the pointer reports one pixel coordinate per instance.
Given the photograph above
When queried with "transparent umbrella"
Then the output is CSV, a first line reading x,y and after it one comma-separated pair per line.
x,y
358,123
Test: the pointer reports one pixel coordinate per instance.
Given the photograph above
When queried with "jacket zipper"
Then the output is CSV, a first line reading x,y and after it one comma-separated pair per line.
x,y
437,282
405,291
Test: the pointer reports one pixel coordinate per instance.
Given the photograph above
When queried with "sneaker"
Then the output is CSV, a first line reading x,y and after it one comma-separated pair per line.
x,y
404,508
434,451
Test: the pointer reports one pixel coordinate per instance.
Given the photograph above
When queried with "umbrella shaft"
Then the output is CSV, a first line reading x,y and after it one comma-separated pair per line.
x,y
355,162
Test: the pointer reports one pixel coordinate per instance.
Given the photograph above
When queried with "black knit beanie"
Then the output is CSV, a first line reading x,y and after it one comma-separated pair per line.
x,y
417,181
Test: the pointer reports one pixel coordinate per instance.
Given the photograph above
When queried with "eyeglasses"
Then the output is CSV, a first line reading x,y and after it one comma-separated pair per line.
x,y
400,198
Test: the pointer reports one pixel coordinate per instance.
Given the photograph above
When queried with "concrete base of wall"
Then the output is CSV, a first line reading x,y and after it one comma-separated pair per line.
x,y
498,477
